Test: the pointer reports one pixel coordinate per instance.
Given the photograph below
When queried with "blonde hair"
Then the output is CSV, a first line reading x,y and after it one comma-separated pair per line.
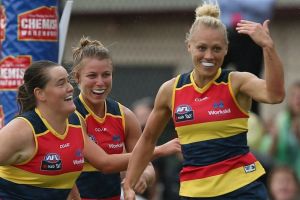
x,y
88,49
208,14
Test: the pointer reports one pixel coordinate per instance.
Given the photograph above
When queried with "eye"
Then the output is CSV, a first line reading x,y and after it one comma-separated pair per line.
x,y
217,49
61,82
106,74
201,48
91,75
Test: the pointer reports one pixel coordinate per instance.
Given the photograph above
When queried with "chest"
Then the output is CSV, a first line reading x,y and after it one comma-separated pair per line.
x,y
56,156
214,104
108,134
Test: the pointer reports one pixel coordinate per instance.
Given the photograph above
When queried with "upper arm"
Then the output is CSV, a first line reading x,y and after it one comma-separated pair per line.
x,y
244,83
16,145
132,129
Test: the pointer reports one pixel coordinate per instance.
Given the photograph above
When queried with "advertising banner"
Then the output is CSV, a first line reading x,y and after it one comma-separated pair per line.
x,y
29,32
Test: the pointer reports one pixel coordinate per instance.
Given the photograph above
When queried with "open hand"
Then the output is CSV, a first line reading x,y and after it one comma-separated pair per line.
x,y
259,33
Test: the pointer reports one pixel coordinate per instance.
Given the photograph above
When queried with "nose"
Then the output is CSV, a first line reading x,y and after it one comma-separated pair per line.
x,y
70,87
208,54
100,81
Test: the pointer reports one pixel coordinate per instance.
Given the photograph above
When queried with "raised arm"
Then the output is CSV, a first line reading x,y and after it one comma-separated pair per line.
x,y
268,90
16,142
156,123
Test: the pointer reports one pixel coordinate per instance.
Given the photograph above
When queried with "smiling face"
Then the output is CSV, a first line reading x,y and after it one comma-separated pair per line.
x,y
95,80
58,92
208,48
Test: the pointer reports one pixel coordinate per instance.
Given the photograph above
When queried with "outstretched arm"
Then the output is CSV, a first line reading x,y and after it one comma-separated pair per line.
x,y
109,163
271,90
157,121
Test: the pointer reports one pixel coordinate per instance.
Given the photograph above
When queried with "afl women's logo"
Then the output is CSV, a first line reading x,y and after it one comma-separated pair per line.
x,y
183,113
51,162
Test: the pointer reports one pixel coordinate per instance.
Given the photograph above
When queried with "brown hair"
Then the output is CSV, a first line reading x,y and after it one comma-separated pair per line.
x,y
88,49
34,77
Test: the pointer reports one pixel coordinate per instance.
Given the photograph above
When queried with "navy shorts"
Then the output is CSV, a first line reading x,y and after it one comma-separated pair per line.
x,y
253,191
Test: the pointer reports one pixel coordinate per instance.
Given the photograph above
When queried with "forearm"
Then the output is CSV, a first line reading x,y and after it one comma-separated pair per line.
x,y
140,158
274,74
116,163
107,163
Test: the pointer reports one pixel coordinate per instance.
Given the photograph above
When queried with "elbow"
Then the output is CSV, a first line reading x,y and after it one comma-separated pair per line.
x,y
103,166
112,167
278,98
107,169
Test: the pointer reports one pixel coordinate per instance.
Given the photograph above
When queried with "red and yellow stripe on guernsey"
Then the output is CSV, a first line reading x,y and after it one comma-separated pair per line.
x,y
44,181
218,178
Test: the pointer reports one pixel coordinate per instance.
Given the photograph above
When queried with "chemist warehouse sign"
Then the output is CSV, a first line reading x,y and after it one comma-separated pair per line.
x,y
12,71
29,32
38,24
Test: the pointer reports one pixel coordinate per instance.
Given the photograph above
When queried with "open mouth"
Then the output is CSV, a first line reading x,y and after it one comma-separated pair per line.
x,y
98,91
207,64
69,98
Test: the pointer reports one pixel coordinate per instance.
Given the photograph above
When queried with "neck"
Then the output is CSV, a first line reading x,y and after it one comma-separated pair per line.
x,y
98,109
55,120
201,80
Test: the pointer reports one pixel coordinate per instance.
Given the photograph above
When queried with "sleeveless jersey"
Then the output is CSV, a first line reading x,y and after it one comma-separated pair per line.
x,y
53,169
212,129
109,133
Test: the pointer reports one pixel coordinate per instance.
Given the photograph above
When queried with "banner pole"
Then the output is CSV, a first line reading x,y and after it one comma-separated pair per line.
x,y
63,29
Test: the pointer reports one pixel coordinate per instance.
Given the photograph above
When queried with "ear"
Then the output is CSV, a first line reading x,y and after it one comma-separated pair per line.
x,y
188,46
226,50
39,94
76,77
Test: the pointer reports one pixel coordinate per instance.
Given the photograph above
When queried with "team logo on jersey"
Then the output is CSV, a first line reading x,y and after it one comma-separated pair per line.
x,y
93,138
219,104
78,153
116,138
51,162
184,113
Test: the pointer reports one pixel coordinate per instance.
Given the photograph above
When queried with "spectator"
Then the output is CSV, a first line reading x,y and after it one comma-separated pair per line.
x,y
285,131
283,184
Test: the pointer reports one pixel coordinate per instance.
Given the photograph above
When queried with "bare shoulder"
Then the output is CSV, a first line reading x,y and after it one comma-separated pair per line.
x,y
164,95
18,127
17,142
168,86
238,79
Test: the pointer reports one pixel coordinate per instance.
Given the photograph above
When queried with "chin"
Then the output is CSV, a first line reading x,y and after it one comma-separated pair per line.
x,y
70,109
